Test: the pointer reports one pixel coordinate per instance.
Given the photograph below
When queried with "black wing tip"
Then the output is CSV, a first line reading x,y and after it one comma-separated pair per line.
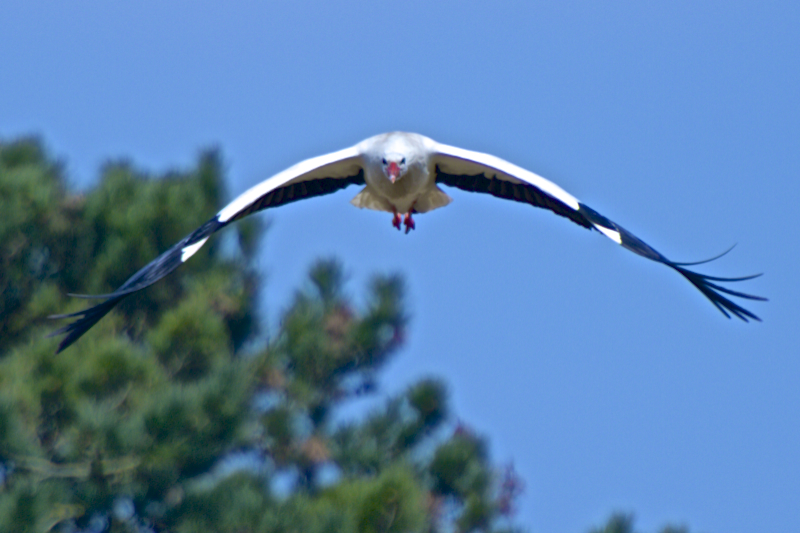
x,y
704,261
146,276
87,318
91,296
716,293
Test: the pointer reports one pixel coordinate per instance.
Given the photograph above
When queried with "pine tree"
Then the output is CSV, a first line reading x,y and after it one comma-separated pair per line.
x,y
173,413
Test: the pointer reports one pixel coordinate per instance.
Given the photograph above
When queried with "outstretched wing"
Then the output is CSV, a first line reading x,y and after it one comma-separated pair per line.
x,y
478,172
313,177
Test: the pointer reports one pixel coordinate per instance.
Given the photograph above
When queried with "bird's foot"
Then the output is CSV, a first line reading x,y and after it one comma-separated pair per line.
x,y
396,220
409,223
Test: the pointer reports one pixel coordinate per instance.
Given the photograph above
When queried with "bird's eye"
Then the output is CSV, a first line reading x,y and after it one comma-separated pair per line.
x,y
384,160
403,161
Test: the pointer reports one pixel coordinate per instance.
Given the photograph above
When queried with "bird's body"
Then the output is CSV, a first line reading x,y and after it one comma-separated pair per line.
x,y
415,192
400,195
401,173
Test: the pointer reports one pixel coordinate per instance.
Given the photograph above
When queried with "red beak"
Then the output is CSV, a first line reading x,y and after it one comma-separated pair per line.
x,y
393,171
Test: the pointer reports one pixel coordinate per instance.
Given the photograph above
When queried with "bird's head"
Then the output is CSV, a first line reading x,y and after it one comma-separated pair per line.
x,y
393,165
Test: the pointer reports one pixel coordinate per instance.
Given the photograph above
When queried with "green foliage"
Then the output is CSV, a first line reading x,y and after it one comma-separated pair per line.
x,y
159,419
617,523
37,232
458,467
623,523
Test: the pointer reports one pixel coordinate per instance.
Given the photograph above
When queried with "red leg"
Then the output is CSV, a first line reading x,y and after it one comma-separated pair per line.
x,y
409,222
396,219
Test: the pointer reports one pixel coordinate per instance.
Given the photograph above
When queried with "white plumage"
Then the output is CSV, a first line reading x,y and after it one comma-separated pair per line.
x,y
401,173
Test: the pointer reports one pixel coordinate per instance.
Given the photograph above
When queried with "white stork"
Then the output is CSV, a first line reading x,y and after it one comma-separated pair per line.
x,y
401,173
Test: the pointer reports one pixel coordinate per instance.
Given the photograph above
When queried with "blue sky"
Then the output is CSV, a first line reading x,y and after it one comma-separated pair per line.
x,y
608,380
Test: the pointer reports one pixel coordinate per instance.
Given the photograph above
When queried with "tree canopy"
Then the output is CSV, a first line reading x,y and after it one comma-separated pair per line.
x,y
175,413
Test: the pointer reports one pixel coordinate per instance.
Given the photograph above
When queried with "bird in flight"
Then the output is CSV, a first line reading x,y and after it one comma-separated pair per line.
x,y
401,173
